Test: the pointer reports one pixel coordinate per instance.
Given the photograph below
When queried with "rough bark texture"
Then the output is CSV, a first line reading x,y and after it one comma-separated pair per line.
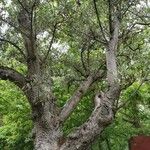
x,y
100,118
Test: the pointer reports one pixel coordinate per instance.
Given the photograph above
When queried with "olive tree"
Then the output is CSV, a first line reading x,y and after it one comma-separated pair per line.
x,y
108,26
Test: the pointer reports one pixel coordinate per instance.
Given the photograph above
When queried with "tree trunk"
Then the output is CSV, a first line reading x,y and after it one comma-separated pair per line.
x,y
44,112
47,139
46,127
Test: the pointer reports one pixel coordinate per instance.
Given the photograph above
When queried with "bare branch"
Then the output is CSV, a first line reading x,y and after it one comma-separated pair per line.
x,y
113,91
13,76
10,23
111,56
51,42
88,58
33,17
86,48
78,94
77,69
143,23
82,59
15,45
25,24
99,21
22,5
110,16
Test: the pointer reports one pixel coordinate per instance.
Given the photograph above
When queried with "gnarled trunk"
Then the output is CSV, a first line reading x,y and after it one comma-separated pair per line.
x,y
46,139
46,126
45,115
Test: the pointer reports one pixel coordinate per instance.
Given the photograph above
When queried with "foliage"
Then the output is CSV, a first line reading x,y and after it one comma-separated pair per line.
x,y
15,125
117,134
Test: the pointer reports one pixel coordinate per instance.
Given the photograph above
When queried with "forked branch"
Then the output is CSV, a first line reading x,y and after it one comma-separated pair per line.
x,y
78,94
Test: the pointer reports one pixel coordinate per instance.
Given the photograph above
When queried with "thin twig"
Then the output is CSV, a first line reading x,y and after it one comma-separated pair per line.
x,y
13,25
99,21
21,4
16,46
51,43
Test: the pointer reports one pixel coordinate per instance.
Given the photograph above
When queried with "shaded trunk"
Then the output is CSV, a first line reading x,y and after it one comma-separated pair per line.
x,y
46,126
44,112
46,139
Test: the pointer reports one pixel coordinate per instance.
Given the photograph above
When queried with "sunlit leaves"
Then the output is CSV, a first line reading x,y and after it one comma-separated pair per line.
x,y
15,125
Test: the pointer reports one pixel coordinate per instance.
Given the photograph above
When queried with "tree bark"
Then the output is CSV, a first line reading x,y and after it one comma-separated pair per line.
x,y
46,138
44,115
100,118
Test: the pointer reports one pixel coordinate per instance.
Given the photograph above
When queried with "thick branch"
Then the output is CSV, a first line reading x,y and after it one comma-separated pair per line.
x,y
111,56
13,76
26,25
78,94
101,117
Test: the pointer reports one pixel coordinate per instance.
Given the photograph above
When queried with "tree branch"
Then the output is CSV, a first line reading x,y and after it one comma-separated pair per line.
x,y
99,21
111,56
78,69
51,43
100,118
15,45
13,25
86,48
143,23
22,5
110,16
12,75
78,94
82,59
25,24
